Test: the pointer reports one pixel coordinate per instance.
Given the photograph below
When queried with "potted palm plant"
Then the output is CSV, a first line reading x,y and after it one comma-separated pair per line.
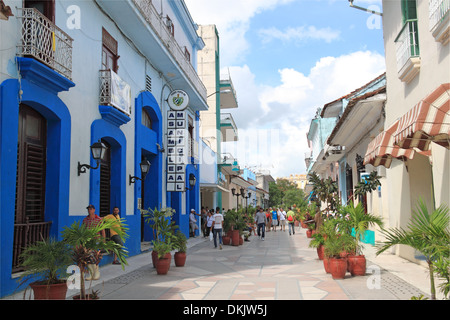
x,y
180,244
163,228
428,232
358,222
87,247
46,262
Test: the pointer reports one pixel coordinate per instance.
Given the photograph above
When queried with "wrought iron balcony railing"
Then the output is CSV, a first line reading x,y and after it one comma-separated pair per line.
x,y
45,42
159,26
114,92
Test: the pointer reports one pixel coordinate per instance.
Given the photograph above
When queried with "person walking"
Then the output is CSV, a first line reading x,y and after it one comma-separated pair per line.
x,y
261,220
282,216
268,218
290,219
274,220
203,221
217,228
209,222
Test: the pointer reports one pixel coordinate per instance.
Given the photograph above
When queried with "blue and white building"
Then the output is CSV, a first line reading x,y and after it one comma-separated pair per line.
x,y
80,72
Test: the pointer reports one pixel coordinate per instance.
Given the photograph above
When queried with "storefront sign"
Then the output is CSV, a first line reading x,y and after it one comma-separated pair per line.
x,y
178,100
177,140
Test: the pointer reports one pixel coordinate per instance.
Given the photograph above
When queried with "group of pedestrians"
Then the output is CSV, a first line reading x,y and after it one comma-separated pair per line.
x,y
272,218
212,224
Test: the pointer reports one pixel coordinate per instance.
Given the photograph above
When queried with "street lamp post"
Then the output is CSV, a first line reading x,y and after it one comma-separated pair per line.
x,y
246,197
233,191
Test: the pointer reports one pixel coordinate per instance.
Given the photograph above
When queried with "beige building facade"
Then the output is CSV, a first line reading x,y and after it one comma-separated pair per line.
x,y
417,110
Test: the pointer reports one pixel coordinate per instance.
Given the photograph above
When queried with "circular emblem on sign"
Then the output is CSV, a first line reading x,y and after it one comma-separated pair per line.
x,y
178,100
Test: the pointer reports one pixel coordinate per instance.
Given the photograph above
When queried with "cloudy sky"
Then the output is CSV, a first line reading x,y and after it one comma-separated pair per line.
x,y
287,58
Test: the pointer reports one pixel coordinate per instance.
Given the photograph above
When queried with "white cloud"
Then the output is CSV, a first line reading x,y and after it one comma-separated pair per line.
x,y
232,20
285,111
299,34
273,120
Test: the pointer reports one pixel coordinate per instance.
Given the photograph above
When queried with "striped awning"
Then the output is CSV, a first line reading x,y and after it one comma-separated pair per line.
x,y
426,122
382,150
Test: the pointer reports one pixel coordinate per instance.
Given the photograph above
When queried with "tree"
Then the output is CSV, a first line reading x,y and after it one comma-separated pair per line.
x,y
286,193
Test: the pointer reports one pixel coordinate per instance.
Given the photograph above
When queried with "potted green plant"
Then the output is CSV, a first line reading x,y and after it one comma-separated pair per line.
x,y
180,244
162,263
87,247
427,232
358,222
231,219
46,263
334,245
317,242
162,226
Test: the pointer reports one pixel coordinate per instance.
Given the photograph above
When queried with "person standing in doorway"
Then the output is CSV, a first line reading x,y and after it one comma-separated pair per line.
x,y
217,228
113,231
261,220
290,218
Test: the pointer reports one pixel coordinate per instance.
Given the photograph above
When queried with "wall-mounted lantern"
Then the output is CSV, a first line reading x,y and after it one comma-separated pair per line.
x,y
145,167
98,150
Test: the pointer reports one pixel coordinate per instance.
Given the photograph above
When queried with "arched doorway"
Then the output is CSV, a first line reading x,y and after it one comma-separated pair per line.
x,y
29,220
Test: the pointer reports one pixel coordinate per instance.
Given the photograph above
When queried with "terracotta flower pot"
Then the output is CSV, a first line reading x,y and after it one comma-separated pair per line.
x,y
357,265
162,265
55,291
338,268
226,240
320,251
235,237
309,233
180,259
155,257
326,264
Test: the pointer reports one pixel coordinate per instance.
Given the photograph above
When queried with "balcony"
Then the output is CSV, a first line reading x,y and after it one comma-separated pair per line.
x,y
42,40
440,20
114,93
228,127
228,99
143,24
407,50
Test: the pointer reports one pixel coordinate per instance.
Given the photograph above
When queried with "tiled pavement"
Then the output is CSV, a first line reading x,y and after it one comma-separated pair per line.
x,y
280,268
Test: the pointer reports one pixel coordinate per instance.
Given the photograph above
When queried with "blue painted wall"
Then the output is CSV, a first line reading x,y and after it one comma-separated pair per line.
x,y
39,86
146,144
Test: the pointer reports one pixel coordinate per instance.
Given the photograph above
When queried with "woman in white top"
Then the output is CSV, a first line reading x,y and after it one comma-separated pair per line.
x,y
209,222
282,215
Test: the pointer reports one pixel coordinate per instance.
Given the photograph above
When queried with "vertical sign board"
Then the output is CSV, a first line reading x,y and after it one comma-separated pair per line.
x,y
177,141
